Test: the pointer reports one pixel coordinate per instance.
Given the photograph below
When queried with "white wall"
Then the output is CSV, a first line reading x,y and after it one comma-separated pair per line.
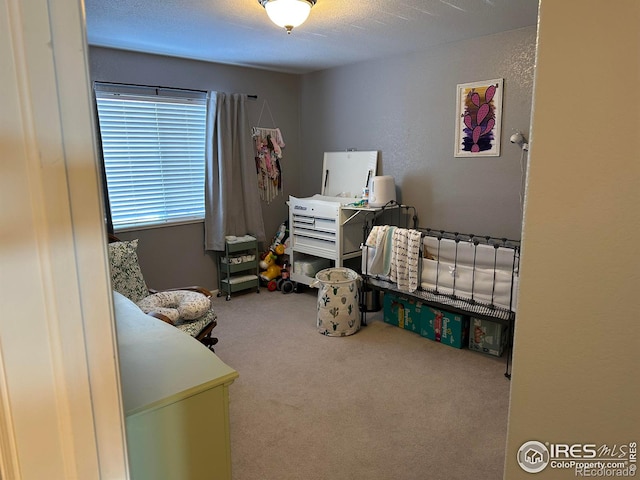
x,y
576,356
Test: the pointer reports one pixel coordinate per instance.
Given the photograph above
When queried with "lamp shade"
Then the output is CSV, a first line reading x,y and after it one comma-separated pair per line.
x,y
288,13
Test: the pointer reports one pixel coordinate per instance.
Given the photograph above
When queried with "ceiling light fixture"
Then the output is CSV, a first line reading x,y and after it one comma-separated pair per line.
x,y
288,13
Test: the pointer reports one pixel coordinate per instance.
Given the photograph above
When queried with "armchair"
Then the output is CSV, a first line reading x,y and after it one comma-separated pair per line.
x,y
187,308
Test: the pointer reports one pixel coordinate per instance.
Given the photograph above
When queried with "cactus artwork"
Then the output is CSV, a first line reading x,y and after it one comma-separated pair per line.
x,y
479,110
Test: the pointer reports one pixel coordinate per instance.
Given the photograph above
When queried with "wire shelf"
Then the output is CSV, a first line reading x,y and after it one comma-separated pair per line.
x,y
450,303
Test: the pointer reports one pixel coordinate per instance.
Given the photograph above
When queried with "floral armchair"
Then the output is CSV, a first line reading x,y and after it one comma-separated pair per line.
x,y
188,309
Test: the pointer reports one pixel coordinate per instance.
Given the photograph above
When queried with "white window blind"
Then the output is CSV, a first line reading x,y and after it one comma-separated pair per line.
x,y
153,143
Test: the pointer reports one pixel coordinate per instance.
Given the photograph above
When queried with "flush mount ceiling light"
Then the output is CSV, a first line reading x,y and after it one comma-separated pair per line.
x,y
288,13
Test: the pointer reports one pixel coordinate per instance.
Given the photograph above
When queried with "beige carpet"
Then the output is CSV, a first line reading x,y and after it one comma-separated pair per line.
x,y
382,404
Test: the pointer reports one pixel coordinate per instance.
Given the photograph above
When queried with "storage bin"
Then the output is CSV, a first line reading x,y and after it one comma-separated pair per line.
x,y
403,312
445,327
308,265
338,310
487,337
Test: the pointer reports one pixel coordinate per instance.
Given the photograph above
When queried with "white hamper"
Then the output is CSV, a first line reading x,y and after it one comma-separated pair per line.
x,y
338,310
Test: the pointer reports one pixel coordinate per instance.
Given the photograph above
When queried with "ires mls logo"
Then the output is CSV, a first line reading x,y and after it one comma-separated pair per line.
x,y
533,457
585,459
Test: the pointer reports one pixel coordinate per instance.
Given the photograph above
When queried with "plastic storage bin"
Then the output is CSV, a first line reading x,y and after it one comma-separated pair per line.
x,y
338,310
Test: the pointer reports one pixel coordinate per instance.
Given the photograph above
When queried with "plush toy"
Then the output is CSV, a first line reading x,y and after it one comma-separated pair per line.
x,y
270,269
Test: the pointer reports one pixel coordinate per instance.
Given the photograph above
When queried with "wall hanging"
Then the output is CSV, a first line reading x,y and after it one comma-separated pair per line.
x,y
268,144
478,118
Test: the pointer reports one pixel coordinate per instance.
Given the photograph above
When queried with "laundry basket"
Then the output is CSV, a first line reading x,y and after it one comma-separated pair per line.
x,y
338,310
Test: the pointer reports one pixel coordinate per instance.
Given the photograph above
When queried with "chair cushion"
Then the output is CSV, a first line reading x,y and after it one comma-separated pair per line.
x,y
176,304
126,276
194,327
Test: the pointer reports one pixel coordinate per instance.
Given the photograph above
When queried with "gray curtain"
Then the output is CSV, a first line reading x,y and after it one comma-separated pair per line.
x,y
232,200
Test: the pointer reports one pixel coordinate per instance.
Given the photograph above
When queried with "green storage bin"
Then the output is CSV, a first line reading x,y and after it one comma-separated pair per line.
x,y
403,312
445,327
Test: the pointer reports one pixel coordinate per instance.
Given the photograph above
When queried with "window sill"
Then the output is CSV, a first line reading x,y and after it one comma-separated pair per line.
x,y
160,225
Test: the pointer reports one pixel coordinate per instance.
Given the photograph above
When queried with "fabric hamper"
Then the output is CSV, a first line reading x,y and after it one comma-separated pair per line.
x,y
338,309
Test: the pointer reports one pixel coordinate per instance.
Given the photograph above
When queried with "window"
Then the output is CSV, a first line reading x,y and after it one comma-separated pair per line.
x,y
153,143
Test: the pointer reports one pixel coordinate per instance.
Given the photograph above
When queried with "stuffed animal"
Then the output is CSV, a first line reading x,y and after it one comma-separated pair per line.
x,y
270,269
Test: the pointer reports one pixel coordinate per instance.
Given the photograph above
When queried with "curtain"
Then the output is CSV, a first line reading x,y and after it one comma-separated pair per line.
x,y
232,201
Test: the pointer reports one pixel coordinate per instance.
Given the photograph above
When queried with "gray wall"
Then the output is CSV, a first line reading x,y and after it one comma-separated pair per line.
x,y
405,108
175,256
402,106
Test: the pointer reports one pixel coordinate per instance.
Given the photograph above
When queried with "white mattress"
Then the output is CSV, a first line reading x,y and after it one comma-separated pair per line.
x,y
485,255
484,285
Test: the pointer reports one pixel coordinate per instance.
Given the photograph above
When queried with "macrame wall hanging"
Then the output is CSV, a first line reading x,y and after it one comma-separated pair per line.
x,y
268,144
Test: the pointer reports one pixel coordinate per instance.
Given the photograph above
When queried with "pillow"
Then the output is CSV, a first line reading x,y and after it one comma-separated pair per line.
x,y
126,276
176,304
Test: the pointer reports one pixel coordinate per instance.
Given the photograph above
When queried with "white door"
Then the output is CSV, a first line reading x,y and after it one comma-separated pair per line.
x,y
60,406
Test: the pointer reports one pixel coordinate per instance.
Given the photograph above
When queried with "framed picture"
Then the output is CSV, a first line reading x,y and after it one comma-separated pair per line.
x,y
478,119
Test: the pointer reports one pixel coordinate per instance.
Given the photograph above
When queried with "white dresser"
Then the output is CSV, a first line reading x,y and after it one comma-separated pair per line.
x,y
176,400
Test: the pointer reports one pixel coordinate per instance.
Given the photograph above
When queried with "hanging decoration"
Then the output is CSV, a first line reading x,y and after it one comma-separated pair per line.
x,y
268,144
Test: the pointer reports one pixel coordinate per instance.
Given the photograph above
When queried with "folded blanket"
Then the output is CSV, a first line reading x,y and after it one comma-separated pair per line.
x,y
380,238
387,245
405,255
375,235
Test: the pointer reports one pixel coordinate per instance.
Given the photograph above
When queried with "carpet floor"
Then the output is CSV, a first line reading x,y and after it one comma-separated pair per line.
x,y
383,404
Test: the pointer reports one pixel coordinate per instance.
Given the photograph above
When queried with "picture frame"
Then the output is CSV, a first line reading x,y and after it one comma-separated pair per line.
x,y
479,118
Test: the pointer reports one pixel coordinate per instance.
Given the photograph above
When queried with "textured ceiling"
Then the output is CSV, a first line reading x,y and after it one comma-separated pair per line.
x,y
337,32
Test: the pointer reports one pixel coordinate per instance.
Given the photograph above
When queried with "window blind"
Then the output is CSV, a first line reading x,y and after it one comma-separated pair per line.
x,y
153,143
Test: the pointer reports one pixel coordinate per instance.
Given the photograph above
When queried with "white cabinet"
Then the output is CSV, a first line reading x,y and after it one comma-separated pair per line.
x,y
331,225
323,228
